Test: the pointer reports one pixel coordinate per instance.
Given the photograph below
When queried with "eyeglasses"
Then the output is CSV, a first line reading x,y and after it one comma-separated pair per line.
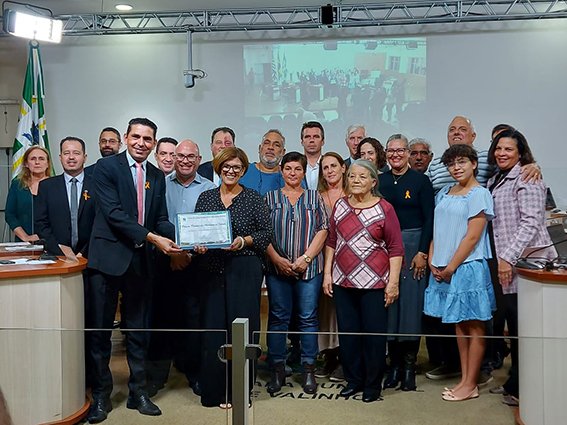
x,y
108,141
459,162
422,153
235,168
399,151
191,157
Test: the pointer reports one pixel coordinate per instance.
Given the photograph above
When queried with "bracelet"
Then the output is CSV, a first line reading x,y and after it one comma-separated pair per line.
x,y
242,243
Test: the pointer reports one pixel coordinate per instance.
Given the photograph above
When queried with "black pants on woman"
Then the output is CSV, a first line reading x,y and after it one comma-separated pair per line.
x,y
363,356
225,297
512,385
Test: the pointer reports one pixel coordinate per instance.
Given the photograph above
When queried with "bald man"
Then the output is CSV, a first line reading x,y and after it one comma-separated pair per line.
x,y
176,291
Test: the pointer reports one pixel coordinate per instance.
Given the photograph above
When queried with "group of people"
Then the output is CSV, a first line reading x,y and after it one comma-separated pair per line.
x,y
357,248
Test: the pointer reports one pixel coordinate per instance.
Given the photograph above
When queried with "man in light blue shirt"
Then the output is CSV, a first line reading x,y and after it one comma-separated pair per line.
x,y
184,185
177,291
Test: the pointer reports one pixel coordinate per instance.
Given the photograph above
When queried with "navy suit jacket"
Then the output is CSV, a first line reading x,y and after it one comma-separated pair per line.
x,y
206,170
116,231
89,170
53,215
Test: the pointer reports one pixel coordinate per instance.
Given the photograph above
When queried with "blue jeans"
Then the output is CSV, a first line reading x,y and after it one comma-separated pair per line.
x,y
302,296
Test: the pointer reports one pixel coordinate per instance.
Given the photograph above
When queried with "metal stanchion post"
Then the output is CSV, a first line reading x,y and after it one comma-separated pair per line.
x,y
240,352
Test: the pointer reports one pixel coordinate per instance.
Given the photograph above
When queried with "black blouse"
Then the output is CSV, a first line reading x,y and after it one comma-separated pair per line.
x,y
412,197
249,216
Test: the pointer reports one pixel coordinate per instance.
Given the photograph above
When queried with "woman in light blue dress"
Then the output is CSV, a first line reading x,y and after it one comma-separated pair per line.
x,y
460,289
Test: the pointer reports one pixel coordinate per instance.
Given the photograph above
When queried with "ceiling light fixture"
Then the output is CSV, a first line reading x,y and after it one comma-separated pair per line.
x,y
123,7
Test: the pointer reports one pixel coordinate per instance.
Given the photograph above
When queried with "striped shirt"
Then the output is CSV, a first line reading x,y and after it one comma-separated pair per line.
x,y
440,176
295,226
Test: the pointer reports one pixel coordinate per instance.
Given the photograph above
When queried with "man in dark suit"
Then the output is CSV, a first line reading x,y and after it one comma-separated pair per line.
x,y
60,219
222,137
131,217
109,144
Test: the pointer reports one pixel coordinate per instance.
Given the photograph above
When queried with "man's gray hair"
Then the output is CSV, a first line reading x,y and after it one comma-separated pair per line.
x,y
419,141
278,132
354,127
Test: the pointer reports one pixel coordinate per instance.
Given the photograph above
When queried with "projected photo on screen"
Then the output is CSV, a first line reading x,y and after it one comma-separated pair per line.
x,y
380,83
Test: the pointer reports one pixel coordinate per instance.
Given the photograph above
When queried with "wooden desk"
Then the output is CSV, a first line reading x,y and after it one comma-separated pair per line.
x,y
42,370
542,328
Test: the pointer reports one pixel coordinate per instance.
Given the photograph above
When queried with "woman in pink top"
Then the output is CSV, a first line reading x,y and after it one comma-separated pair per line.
x,y
363,258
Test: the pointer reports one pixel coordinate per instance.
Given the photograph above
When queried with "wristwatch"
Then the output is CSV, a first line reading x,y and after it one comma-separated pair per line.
x,y
307,258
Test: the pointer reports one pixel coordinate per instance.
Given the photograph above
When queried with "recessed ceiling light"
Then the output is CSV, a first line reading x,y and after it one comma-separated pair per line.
x,y
123,7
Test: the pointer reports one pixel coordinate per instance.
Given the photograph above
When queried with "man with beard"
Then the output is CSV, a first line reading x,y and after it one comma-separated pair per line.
x,y
265,175
109,143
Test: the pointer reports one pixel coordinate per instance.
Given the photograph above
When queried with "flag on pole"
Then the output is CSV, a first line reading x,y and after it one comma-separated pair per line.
x,y
32,129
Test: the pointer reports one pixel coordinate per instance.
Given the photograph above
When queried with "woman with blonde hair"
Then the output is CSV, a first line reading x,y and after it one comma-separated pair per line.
x,y
19,203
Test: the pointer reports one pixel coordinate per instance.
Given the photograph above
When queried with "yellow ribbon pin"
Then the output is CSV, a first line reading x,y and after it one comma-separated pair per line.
x,y
408,196
86,195
147,186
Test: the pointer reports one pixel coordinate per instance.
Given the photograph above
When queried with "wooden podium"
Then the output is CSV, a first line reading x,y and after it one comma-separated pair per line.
x,y
542,328
42,366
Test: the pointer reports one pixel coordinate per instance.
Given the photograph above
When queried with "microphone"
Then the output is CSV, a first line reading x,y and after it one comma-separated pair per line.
x,y
44,255
523,262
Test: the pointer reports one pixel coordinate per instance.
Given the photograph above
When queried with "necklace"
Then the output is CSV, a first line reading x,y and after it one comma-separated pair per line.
x,y
397,177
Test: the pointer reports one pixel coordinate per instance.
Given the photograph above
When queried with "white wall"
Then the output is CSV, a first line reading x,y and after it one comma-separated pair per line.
x,y
491,72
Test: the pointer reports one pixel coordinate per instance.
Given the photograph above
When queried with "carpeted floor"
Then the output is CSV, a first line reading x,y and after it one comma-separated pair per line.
x,y
292,406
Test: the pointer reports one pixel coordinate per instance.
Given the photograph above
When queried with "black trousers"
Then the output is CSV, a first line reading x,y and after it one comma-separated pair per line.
x,y
136,290
363,356
512,385
175,305
235,293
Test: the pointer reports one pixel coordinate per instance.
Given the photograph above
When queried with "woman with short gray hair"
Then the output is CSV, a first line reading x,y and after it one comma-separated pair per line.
x,y
363,257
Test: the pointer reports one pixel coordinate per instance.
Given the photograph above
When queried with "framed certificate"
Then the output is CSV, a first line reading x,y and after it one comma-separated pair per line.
x,y
210,229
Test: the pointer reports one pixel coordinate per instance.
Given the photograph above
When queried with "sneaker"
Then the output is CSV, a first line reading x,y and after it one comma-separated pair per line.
x,y
498,390
510,400
337,375
442,372
484,378
322,372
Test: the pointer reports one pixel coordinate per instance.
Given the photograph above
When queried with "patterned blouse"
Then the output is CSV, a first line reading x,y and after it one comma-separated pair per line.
x,y
295,226
364,239
519,222
249,217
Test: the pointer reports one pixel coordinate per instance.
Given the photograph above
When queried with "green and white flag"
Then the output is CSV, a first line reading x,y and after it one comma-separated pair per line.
x,y
32,129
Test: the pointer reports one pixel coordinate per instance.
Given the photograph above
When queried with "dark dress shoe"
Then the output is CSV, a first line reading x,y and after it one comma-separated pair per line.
x,y
153,388
349,391
277,379
99,410
196,387
309,383
143,404
370,396
393,377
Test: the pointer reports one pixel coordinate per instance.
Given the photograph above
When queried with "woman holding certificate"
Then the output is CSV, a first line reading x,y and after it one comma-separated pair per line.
x,y
294,276
232,276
